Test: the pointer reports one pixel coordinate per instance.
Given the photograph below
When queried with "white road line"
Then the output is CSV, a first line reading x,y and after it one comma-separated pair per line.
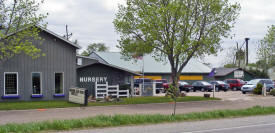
x,y
221,129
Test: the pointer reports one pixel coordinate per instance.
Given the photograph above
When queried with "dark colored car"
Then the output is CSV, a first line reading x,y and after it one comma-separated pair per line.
x,y
202,86
235,84
139,81
184,86
220,85
160,85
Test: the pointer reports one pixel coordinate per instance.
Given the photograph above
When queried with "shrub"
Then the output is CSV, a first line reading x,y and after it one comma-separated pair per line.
x,y
272,92
258,89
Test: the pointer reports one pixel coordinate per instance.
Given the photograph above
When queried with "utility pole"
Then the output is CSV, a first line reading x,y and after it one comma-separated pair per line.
x,y
246,40
238,56
68,35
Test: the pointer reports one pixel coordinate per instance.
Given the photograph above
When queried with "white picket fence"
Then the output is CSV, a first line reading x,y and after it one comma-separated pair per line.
x,y
104,90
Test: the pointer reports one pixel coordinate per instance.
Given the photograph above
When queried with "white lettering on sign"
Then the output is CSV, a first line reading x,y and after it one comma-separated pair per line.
x,y
238,74
92,79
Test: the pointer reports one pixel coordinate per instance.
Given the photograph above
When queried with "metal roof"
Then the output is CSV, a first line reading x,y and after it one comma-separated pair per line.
x,y
58,36
150,64
50,32
224,71
106,64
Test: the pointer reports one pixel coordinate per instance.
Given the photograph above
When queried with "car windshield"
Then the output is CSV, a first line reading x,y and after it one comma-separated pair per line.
x,y
253,82
183,83
231,81
268,82
221,82
205,83
161,80
141,80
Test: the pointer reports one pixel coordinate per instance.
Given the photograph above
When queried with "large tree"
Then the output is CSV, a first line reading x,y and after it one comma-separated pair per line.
x,y
95,47
266,49
174,30
17,31
177,30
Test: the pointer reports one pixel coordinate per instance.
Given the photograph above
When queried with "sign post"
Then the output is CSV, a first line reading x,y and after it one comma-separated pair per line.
x,y
264,90
78,95
214,90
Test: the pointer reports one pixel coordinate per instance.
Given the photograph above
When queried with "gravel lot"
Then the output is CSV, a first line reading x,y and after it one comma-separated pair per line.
x,y
226,96
229,95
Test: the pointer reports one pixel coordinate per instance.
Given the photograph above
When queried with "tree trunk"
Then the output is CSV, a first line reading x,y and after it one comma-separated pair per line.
x,y
175,105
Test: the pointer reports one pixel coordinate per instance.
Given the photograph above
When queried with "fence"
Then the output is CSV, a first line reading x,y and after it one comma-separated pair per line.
x,y
104,90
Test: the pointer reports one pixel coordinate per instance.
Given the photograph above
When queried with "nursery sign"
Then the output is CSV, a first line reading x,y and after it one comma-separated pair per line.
x,y
238,74
92,79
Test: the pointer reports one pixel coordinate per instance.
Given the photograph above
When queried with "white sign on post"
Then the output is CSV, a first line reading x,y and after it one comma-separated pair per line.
x,y
78,95
238,74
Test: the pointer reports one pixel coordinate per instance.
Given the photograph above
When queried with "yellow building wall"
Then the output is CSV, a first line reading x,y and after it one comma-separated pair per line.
x,y
149,77
184,77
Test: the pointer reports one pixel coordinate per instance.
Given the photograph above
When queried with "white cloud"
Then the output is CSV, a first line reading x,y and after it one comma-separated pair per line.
x,y
91,21
111,4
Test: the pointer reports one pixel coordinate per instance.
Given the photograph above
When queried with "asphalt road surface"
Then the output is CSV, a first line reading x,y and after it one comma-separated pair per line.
x,y
258,124
23,116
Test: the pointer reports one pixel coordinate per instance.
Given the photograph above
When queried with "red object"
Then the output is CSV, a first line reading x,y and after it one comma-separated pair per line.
x,y
165,85
235,83
187,86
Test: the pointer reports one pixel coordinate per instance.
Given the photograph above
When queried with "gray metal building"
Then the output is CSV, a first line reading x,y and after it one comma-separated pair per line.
x,y
45,78
90,70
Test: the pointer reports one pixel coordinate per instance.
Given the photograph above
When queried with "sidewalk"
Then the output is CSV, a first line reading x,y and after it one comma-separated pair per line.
x,y
22,116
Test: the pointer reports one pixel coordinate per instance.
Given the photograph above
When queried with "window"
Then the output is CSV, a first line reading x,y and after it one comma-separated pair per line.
x,y
11,83
59,84
79,61
36,83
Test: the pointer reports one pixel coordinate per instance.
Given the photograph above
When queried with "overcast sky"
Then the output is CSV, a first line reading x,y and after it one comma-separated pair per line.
x,y
91,21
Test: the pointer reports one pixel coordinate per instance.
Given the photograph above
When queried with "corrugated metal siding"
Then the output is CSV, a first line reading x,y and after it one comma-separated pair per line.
x,y
60,57
86,61
114,76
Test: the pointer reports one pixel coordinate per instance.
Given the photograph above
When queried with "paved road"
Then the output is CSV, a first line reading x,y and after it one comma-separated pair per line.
x,y
166,108
259,124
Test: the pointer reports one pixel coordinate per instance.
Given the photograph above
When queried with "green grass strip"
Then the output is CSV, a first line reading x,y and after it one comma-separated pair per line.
x,y
123,120
124,101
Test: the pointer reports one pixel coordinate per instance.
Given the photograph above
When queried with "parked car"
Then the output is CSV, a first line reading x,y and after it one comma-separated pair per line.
x,y
184,86
220,85
202,86
235,84
160,83
251,85
141,80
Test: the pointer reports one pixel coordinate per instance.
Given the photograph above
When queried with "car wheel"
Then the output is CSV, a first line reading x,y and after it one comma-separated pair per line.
x,y
202,90
244,92
194,90
234,88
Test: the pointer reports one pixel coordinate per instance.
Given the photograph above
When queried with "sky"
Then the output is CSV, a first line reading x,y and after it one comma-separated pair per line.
x,y
90,21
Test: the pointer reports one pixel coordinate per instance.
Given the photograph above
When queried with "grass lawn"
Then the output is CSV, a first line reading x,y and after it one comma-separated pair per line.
x,y
65,104
124,120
